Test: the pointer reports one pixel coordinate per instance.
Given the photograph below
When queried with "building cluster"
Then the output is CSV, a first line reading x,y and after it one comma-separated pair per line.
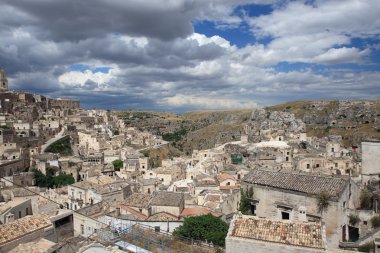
x,y
305,194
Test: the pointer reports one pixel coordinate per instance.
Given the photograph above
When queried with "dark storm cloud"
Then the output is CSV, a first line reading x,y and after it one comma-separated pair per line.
x,y
77,20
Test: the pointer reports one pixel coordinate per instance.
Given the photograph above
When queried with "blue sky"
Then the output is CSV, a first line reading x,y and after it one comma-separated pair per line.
x,y
187,55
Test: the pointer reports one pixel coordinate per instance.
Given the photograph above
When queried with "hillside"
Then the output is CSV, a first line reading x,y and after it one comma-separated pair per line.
x,y
354,120
192,130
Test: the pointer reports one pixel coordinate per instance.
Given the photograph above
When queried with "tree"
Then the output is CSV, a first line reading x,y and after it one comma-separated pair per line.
x,y
245,201
50,181
323,201
117,164
62,180
205,227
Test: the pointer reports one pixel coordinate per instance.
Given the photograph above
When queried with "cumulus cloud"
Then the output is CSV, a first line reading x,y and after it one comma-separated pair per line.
x,y
157,61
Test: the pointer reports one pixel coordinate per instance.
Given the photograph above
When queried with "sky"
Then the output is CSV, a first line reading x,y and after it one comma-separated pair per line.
x,y
181,55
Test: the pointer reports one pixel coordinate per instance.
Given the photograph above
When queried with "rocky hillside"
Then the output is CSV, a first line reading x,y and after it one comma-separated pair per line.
x,y
192,130
353,120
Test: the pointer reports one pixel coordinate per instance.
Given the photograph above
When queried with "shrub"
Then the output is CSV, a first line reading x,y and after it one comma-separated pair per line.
x,y
245,202
323,201
375,221
354,219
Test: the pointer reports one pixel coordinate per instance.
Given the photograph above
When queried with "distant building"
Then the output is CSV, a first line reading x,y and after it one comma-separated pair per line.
x,y
3,81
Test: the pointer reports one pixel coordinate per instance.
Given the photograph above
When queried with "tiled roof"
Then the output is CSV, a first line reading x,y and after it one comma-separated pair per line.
x,y
140,200
38,246
302,234
196,211
310,184
23,226
225,176
167,199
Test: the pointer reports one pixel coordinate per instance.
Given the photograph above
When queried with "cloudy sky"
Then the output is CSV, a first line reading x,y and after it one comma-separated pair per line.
x,y
179,55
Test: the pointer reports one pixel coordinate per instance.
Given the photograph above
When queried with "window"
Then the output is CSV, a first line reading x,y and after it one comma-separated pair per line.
x,y
317,165
140,210
344,204
287,159
228,183
82,229
307,166
285,215
19,214
27,211
149,190
332,149
253,209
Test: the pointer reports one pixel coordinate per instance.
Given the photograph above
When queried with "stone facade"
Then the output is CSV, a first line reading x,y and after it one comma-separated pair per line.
x,y
3,81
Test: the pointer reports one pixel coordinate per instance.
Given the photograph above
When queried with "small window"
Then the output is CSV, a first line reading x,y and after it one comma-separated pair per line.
x,y
307,166
317,165
285,215
19,214
344,204
365,222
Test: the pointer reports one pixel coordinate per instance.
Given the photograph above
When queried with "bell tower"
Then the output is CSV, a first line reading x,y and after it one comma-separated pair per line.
x,y
3,81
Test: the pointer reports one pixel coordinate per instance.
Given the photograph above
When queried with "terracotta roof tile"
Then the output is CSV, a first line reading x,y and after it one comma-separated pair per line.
x,y
23,226
303,234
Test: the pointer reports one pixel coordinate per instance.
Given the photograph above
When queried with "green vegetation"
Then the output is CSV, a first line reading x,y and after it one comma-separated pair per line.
x,y
115,132
117,164
51,181
375,221
245,201
353,219
323,201
176,136
62,146
365,199
236,158
145,153
4,127
205,227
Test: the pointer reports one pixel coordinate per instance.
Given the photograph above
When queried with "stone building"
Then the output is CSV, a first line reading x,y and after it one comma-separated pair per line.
x,y
3,81
293,196
169,202
370,161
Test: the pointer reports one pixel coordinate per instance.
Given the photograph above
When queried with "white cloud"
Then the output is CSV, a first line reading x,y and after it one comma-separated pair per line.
x,y
344,54
74,78
207,102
